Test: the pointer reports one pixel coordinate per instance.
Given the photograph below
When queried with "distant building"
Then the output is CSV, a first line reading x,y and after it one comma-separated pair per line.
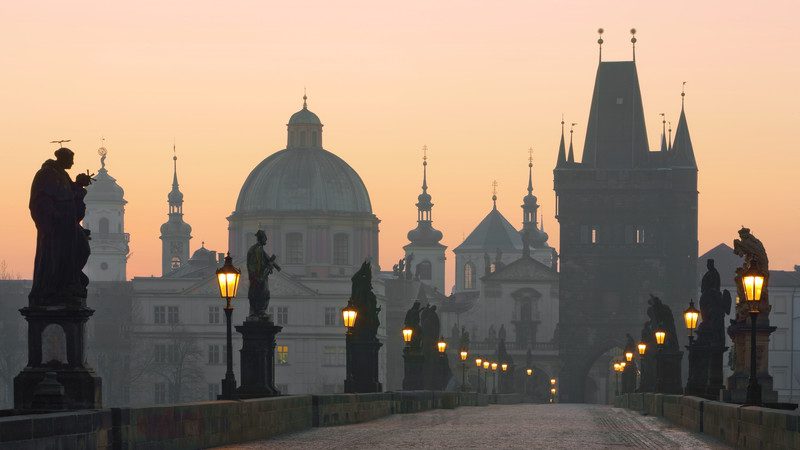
x,y
784,297
628,227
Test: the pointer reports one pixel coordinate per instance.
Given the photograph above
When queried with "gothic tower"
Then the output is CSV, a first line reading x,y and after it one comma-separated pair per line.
x,y
428,260
105,218
537,247
628,219
175,233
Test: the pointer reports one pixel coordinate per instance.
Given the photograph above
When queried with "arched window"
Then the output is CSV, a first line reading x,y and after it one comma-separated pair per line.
x,y
176,262
314,139
341,249
469,276
424,271
103,226
294,248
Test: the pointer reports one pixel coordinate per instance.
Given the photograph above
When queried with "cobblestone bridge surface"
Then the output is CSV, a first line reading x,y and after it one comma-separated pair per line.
x,y
501,426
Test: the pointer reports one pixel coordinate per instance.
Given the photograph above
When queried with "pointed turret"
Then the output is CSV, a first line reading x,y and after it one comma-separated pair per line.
x,y
530,206
562,151
682,150
424,233
175,233
664,145
571,157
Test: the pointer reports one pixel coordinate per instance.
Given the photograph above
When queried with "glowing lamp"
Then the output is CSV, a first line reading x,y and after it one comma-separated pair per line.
x,y
690,316
408,333
349,315
552,381
642,348
486,365
660,336
752,284
441,345
463,355
529,372
478,362
553,391
504,366
228,279
629,356
494,366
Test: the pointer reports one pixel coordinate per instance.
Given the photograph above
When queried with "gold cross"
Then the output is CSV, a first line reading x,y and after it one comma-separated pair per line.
x,y
424,152
494,187
530,155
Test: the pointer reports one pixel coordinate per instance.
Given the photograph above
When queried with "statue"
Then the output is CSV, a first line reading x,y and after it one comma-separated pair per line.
x,y
259,267
408,270
62,245
431,328
365,301
661,317
755,258
714,306
464,342
412,321
502,333
492,334
711,280
498,260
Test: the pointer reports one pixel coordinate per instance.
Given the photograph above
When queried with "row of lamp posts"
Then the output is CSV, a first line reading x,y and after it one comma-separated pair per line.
x,y
753,284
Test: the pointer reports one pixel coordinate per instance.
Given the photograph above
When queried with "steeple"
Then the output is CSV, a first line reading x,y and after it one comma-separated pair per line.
x,y
529,202
175,233
664,146
682,150
424,233
562,152
669,137
571,157
494,194
175,196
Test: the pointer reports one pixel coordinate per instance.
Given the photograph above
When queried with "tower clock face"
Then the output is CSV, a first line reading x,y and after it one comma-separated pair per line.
x,y
176,247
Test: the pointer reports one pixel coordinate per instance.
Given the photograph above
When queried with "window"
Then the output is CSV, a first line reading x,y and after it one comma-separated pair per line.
x,y
283,354
341,249
333,356
424,270
283,315
172,315
619,100
160,353
294,248
213,354
176,263
213,391
160,393
103,226
159,314
330,316
640,235
594,235
213,314
469,276
173,354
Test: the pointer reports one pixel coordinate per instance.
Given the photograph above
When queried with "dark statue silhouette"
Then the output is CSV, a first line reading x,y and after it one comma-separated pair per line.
x,y
259,267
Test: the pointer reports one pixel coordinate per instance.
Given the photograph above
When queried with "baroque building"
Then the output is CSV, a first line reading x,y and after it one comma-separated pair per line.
x,y
628,222
175,233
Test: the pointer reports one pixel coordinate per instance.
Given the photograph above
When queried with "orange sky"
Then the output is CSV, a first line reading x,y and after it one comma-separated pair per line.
x,y
478,82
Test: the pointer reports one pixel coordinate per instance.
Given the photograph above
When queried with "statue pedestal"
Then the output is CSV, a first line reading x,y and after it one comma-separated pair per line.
x,y
647,367
669,373
629,378
697,381
362,365
258,359
736,391
56,344
412,369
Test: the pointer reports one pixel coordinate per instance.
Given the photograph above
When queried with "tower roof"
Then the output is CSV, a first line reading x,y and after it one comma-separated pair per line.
x,y
104,188
616,136
682,150
175,196
304,116
424,234
561,161
493,232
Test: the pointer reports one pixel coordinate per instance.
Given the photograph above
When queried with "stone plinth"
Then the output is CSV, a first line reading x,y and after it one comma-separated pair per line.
x,y
258,359
647,367
362,365
412,368
56,344
738,381
668,365
629,378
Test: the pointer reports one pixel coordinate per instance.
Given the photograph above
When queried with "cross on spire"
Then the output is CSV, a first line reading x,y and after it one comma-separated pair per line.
x,y
683,93
600,43
494,193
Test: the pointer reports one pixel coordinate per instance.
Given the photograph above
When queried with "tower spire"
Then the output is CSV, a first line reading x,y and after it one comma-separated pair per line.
x,y
633,42
174,167
571,157
683,151
683,94
669,138
424,169
600,43
530,171
494,194
664,146
562,152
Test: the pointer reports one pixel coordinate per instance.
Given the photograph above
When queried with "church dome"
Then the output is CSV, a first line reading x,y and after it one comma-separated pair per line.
x,y
303,179
304,117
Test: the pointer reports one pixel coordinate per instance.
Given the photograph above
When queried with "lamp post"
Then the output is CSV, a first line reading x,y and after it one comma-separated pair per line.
x,y
486,365
661,335
463,354
479,363
228,280
642,348
349,316
753,283
552,394
494,378
529,372
690,316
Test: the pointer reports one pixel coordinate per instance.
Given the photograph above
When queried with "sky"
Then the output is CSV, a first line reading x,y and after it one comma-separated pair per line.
x,y
477,82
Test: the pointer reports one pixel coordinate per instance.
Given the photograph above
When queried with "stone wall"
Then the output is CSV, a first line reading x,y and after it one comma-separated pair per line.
x,y
741,426
214,423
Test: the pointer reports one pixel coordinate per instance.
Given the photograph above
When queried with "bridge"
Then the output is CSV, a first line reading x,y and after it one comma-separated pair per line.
x,y
501,426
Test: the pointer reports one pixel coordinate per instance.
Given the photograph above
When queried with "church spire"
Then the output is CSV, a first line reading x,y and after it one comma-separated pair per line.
x,y
571,157
530,171
529,205
424,234
682,150
175,196
175,233
562,152
664,146
494,194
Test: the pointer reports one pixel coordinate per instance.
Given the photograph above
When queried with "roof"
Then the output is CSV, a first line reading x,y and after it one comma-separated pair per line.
x,y
304,117
492,233
682,150
104,188
523,269
616,136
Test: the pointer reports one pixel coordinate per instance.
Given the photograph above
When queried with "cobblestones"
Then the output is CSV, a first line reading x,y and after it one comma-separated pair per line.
x,y
501,426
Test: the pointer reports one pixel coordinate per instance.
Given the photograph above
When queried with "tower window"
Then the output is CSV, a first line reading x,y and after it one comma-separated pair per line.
x,y
283,354
640,235
175,263
424,270
159,314
294,248
341,249
594,235
469,276
103,226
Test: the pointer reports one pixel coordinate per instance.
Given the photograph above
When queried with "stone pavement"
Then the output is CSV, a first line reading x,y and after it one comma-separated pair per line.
x,y
501,426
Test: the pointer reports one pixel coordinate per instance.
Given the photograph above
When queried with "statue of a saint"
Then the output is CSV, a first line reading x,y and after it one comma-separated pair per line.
x,y
502,333
429,321
259,267
412,321
714,306
755,258
711,280
365,301
408,269
62,245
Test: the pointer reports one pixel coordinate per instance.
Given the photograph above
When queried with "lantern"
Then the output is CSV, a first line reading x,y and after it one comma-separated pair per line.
x,y
642,348
494,366
690,316
441,345
629,356
752,284
228,279
486,365
504,366
408,333
660,336
349,314
478,362
463,355
552,381
553,391
529,372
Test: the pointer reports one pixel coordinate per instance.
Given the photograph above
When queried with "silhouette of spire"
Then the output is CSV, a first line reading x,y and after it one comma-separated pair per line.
x,y
669,138
600,43
424,169
174,168
562,153
494,194
664,147
530,171
571,157
683,152
633,42
305,99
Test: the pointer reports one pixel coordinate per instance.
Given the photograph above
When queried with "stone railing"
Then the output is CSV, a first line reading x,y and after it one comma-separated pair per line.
x,y
740,426
216,423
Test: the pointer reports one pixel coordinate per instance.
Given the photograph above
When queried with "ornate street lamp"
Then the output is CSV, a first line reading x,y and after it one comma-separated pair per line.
x,y
479,363
228,280
463,354
661,336
753,284
690,316
486,365
552,394
617,370
349,315
494,378
408,333
642,347
552,381
629,356
529,372
504,367
441,345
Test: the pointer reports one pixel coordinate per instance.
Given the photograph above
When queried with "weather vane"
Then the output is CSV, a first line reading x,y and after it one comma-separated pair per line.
x,y
530,156
102,151
425,153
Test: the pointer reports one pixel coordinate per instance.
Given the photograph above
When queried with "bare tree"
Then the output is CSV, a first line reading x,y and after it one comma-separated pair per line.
x,y
6,273
179,364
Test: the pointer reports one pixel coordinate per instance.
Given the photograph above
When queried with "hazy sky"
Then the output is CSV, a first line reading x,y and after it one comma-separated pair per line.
x,y
478,82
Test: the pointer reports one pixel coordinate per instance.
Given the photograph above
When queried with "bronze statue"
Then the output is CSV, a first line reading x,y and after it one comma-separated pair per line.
x,y
502,333
62,245
755,258
365,301
431,328
259,267
661,317
464,341
714,305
